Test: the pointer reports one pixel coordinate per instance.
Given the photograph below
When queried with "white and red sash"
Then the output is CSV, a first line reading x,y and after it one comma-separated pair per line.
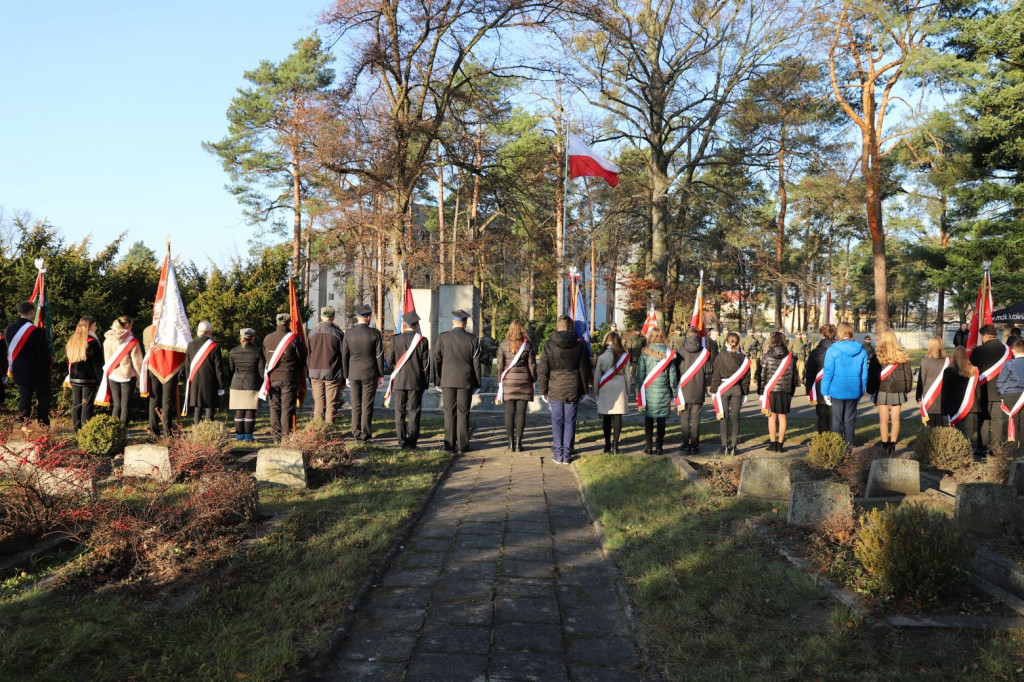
x,y
197,362
641,396
689,374
716,398
144,374
774,381
512,363
814,386
993,371
123,351
1011,412
887,372
274,359
932,393
400,364
616,368
968,403
18,342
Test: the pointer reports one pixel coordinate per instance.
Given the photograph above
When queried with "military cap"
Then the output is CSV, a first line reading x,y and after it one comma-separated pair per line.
x,y
283,318
247,333
363,310
327,312
411,318
460,314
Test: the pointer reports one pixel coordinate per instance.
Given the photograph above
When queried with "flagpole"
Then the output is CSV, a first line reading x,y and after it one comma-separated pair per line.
x,y
565,208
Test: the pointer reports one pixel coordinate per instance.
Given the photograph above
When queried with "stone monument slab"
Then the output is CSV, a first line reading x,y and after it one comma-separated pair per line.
x,y
765,478
893,476
425,301
1017,475
147,461
981,507
458,296
812,502
280,466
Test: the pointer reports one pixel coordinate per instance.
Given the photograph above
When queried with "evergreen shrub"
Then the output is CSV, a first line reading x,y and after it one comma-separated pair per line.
x,y
943,447
827,451
103,435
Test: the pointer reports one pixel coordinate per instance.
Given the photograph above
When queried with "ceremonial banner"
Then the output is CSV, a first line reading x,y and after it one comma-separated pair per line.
x,y
585,162
298,327
171,335
39,297
650,321
982,311
578,310
697,320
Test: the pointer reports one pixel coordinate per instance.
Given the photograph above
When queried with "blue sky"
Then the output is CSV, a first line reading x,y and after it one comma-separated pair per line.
x,y
105,105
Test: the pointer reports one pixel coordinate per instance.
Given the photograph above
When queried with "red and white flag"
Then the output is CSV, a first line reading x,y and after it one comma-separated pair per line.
x,y
650,321
585,162
697,320
982,311
171,335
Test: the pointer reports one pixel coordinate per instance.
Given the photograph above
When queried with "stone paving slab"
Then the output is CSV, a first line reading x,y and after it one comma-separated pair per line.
x,y
502,579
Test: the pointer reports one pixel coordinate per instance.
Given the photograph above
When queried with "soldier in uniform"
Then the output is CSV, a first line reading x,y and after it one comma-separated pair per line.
x,y
362,360
746,342
798,347
634,343
488,351
531,334
285,373
408,380
456,368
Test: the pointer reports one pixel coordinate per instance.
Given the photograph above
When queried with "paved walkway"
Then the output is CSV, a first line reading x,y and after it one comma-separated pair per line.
x,y
503,579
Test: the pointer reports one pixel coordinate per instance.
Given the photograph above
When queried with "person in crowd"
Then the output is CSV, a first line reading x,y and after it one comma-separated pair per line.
x,y
634,342
658,382
563,374
611,373
123,356
776,383
409,358
868,347
989,358
676,339
889,381
747,341
531,334
961,335
85,370
695,365
204,380
929,382
960,392
814,371
517,372
488,351
457,374
283,357
1012,338
362,362
29,362
730,384
797,347
246,365
711,342
163,393
844,380
324,366
1011,391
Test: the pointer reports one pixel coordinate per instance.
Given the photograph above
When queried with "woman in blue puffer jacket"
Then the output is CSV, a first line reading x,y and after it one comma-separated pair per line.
x,y
845,380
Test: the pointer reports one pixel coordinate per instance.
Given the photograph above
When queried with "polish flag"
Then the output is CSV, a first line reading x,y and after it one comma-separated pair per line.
x,y
171,333
585,162
650,321
982,311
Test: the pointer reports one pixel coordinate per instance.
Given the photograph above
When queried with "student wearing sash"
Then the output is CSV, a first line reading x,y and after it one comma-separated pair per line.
x,y
163,395
246,365
960,393
29,364
85,370
362,362
844,380
613,388
284,357
517,370
118,342
989,358
929,382
658,380
409,359
1011,390
813,372
563,374
729,385
457,374
204,382
695,365
776,383
325,369
889,381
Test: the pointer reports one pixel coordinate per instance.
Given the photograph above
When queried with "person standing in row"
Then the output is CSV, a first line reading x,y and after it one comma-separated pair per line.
x,y
362,362
409,358
889,381
85,369
284,358
563,374
657,388
324,366
163,395
488,351
960,392
961,335
844,380
730,384
634,342
613,389
29,363
246,365
814,370
457,373
868,347
1013,338
989,358
695,365
123,363
929,382
776,384
1011,390
204,382
798,347
517,371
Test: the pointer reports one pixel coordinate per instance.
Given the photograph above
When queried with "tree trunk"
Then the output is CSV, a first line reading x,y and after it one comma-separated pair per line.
x,y
871,167
657,266
780,231
440,219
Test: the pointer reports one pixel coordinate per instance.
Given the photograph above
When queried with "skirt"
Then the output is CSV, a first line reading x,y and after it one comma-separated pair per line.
x,y
778,403
243,400
890,398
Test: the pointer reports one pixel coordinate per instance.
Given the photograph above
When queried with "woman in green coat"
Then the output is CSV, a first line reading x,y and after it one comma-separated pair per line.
x,y
657,378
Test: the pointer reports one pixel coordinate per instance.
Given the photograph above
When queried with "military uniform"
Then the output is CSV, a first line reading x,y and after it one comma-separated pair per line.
x,y
634,343
488,351
362,360
799,350
456,369
284,377
408,383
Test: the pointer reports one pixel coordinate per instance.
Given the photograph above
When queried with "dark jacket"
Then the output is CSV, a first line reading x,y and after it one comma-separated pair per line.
x,y
563,371
518,384
954,387
816,363
88,372
208,379
290,367
32,366
661,393
415,374
726,364
1011,379
324,360
770,361
362,353
983,357
690,349
931,369
246,364
846,371
960,337
900,381
457,360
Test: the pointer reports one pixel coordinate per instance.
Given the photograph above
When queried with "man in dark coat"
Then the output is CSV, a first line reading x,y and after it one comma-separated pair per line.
x,y
30,363
326,373
961,335
989,354
690,351
409,378
285,375
163,397
362,361
457,371
816,364
204,382
563,376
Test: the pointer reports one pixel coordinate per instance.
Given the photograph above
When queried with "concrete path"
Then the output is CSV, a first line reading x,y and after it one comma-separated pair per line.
x,y
503,579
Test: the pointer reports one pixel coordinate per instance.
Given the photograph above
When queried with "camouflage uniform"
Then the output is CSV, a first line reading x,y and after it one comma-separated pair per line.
x,y
488,351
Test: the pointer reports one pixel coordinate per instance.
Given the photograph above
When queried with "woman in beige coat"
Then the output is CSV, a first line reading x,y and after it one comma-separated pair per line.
x,y
130,366
611,377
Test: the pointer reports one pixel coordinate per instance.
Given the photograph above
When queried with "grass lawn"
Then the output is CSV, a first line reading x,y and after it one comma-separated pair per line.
x,y
715,602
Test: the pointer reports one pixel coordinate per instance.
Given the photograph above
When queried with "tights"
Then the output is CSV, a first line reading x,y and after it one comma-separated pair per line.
x,y
245,421
515,419
649,431
612,429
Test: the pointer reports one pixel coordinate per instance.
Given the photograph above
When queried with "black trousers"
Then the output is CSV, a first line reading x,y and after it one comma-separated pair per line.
x,y
282,408
649,423
202,414
163,405
689,418
515,419
731,405
990,424
612,425
82,403
120,398
824,413
362,393
967,424
407,416
456,417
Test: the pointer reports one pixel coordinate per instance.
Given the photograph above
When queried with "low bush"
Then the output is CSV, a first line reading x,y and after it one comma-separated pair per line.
x,y
913,552
854,471
200,449
209,433
827,450
322,445
103,435
943,447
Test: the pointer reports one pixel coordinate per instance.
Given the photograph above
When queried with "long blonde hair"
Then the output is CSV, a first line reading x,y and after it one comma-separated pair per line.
x,y
935,348
79,340
889,351
655,335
